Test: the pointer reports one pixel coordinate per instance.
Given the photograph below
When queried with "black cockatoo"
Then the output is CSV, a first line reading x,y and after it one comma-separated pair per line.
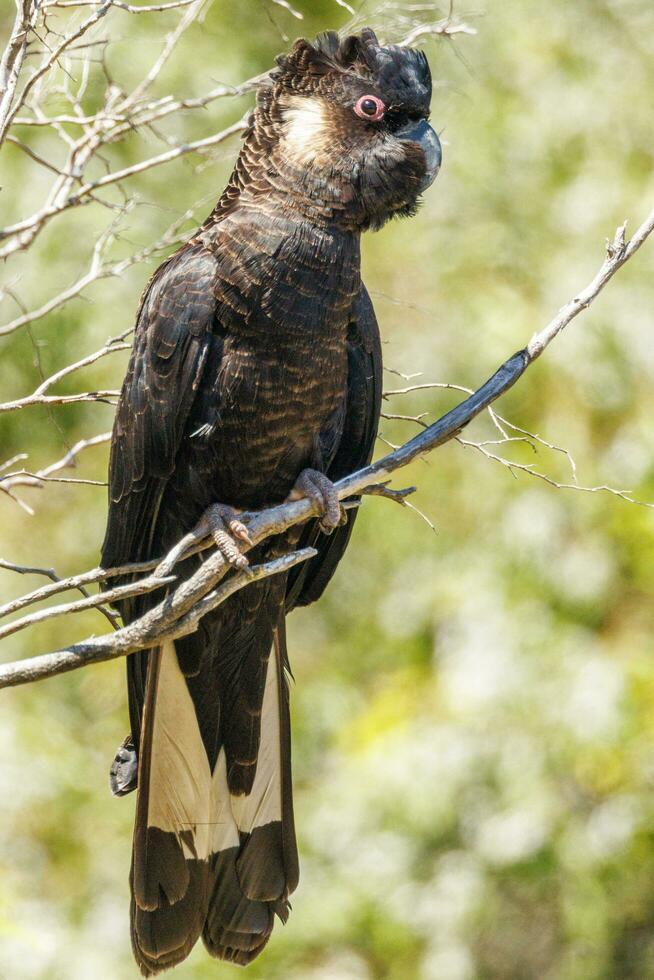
x,y
255,376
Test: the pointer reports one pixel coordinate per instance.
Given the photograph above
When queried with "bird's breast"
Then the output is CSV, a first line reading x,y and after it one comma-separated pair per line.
x,y
276,401
285,294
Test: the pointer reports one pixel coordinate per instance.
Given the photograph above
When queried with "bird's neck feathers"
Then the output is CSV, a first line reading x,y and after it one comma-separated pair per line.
x,y
284,166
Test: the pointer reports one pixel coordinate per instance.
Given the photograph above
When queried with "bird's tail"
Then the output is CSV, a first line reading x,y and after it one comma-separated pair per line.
x,y
214,853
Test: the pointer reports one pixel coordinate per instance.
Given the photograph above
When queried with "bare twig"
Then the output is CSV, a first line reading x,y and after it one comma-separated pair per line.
x,y
12,60
84,396
22,233
286,5
130,8
530,469
27,478
29,570
447,27
57,586
101,269
71,456
52,58
65,584
170,43
617,253
128,639
121,592
110,347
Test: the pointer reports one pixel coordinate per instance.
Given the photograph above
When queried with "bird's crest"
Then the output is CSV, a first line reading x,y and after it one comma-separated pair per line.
x,y
329,64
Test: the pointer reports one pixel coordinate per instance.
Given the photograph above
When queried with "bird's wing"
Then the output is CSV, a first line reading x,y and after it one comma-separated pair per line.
x,y
174,339
355,449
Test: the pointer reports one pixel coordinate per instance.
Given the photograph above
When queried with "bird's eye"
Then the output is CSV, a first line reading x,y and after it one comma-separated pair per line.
x,y
370,107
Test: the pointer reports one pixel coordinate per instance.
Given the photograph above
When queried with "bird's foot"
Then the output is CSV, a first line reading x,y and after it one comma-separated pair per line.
x,y
123,774
319,488
221,524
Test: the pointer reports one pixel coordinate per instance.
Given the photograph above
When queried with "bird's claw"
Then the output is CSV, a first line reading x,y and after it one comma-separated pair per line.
x,y
220,522
319,488
123,775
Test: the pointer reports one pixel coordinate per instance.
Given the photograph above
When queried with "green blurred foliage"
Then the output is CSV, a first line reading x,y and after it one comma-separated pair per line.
x,y
473,709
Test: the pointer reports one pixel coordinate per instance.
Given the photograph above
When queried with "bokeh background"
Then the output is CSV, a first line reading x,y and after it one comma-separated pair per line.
x,y
473,712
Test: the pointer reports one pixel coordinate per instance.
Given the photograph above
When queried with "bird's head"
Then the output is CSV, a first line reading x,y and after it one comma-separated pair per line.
x,y
343,122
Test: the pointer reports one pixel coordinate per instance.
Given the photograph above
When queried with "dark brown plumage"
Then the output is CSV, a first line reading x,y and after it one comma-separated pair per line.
x,y
256,357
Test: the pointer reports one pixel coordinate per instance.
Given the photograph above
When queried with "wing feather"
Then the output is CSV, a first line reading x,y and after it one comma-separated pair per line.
x,y
174,336
308,581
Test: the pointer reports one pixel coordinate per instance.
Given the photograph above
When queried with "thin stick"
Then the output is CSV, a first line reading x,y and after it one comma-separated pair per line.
x,y
91,602
57,586
66,584
12,59
21,234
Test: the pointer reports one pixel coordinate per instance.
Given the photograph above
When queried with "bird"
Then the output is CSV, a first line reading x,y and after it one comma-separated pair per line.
x,y
254,378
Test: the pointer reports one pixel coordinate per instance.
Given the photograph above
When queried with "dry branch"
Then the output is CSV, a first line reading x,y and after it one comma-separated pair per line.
x,y
150,584
121,115
101,268
53,56
23,233
189,606
12,60
58,585
448,27
9,481
182,609
83,396
129,7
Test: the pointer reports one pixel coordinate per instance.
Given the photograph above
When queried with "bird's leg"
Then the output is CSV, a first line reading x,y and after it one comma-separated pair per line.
x,y
319,488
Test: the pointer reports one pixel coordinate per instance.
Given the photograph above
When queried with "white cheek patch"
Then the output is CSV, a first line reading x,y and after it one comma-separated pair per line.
x,y
306,130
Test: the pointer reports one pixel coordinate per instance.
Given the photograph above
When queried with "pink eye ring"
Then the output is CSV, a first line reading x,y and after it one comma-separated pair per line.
x,y
371,108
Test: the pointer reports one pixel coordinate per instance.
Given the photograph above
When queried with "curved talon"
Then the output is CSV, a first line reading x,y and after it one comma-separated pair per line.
x,y
319,488
240,531
221,523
